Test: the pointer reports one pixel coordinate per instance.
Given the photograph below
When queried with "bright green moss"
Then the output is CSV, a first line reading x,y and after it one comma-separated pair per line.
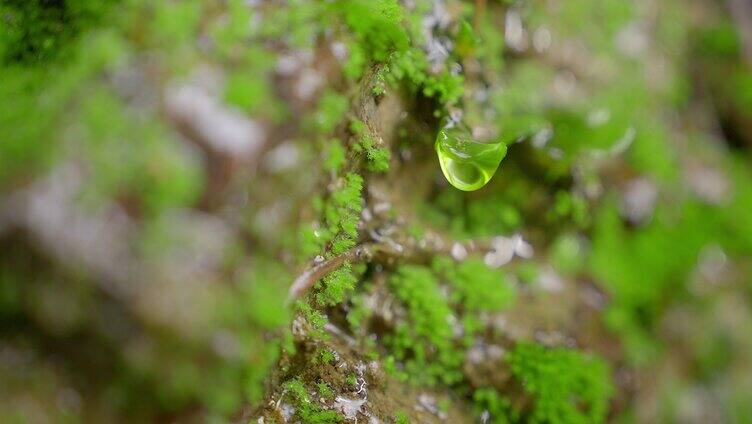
x,y
233,31
334,158
401,418
567,254
351,380
424,343
476,287
376,25
341,215
333,288
246,90
325,356
307,409
325,391
411,67
342,212
359,312
315,319
499,409
377,157
567,386
329,112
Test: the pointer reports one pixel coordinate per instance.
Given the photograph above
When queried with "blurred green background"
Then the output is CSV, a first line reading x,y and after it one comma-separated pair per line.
x,y
168,168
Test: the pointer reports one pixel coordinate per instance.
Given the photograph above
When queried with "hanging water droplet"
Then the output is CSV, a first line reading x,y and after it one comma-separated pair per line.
x,y
467,164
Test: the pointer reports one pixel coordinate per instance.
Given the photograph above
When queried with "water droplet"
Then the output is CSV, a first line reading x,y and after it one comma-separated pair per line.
x,y
467,164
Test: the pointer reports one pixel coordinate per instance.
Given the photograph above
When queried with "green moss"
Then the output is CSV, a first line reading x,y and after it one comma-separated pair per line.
x,y
307,410
325,356
411,67
476,287
499,409
376,25
330,111
567,386
377,157
342,213
333,288
248,90
359,312
424,343
528,272
401,418
334,158
316,320
325,391
567,254
351,380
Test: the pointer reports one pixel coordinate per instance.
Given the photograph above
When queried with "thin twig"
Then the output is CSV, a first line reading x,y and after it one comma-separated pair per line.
x,y
383,250
308,278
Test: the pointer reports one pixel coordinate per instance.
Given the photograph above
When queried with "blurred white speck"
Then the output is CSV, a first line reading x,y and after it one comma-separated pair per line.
x,y
284,157
712,263
349,407
475,355
339,50
564,85
459,252
427,403
366,214
541,39
382,207
308,82
457,329
598,117
287,411
623,143
522,248
708,184
287,64
225,344
638,200
438,51
542,137
503,249
224,129
501,254
514,33
549,280
633,39
555,153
